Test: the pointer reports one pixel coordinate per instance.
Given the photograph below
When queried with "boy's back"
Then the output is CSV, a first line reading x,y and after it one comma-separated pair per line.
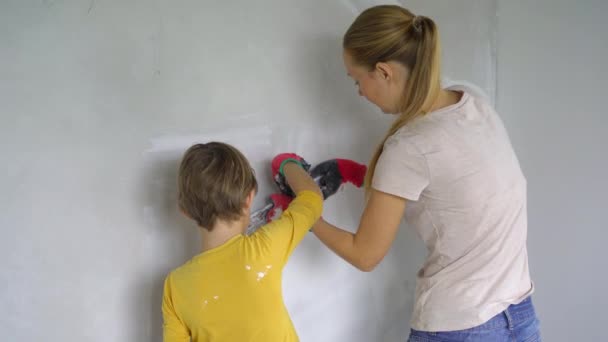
x,y
233,292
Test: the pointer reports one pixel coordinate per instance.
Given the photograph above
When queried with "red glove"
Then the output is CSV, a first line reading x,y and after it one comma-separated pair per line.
x,y
279,161
331,174
352,172
277,165
280,203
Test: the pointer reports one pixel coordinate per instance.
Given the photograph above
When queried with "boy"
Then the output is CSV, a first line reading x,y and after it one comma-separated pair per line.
x,y
232,290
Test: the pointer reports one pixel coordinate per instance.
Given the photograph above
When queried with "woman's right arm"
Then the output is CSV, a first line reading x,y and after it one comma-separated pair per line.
x,y
377,230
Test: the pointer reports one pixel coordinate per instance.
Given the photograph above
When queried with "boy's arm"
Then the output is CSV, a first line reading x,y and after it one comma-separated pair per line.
x,y
287,231
174,329
299,180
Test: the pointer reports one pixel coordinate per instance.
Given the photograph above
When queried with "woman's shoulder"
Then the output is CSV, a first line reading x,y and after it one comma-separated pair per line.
x,y
473,90
474,98
419,132
405,140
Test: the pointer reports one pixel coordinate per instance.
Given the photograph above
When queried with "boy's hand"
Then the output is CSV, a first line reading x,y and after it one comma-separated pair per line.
x,y
281,159
277,165
331,174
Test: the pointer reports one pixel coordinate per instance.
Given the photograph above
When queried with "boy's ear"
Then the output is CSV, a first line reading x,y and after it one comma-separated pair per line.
x,y
249,199
181,210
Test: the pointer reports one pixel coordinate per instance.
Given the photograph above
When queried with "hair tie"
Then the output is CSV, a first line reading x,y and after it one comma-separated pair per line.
x,y
416,24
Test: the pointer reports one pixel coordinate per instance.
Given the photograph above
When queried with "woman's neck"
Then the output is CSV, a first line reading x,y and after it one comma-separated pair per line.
x,y
446,98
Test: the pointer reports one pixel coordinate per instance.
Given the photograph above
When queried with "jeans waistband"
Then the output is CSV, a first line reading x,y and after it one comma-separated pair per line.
x,y
521,312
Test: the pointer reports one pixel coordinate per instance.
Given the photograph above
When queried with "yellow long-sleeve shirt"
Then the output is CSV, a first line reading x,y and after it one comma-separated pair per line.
x,y
233,292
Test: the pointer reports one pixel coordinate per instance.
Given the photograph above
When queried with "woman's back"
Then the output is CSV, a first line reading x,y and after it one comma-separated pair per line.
x,y
467,200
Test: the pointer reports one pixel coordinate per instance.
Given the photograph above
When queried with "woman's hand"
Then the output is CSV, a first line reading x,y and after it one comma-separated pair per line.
x,y
331,174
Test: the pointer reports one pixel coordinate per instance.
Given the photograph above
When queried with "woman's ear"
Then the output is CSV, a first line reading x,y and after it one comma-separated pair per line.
x,y
384,70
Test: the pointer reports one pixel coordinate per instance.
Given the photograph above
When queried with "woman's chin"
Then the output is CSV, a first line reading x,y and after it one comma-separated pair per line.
x,y
389,111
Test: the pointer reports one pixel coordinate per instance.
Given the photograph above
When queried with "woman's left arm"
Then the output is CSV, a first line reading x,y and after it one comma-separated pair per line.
x,y
377,230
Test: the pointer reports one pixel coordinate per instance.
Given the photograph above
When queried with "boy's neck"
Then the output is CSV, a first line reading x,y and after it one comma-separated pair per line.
x,y
221,233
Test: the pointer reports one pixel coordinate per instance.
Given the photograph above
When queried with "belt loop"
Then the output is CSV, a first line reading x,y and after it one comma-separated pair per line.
x,y
509,319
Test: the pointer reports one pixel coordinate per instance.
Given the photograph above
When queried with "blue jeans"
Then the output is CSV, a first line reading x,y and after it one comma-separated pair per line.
x,y
518,323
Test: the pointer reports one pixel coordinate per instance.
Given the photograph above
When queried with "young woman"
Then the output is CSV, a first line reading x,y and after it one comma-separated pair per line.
x,y
447,165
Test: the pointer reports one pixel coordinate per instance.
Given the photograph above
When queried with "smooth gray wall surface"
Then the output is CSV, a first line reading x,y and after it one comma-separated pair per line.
x,y
99,99
552,78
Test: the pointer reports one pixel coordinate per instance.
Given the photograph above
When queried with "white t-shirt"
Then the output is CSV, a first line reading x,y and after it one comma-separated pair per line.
x,y
467,200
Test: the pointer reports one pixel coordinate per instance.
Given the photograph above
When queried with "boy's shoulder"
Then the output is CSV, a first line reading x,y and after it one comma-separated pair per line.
x,y
207,259
183,269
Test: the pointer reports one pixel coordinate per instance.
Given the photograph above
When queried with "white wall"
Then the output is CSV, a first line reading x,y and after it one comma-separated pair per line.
x,y
552,77
98,101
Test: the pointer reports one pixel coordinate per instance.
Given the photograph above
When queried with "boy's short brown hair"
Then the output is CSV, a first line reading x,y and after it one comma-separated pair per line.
x,y
214,181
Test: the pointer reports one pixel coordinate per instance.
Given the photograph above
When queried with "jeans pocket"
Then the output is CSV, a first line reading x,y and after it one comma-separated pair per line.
x,y
533,338
415,338
423,336
530,332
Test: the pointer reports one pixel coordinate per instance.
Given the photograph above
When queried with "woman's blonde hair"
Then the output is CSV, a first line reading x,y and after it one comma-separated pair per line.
x,y
392,33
